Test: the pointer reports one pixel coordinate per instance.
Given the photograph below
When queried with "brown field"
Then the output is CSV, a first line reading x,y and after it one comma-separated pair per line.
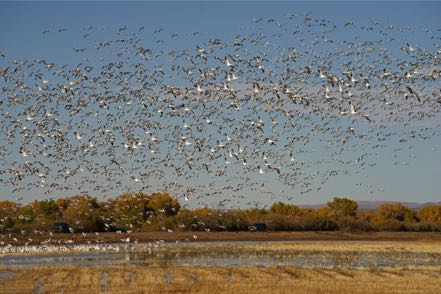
x,y
112,237
159,278
243,279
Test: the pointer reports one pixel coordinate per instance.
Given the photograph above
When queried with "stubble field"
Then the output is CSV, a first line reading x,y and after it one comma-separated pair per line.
x,y
244,267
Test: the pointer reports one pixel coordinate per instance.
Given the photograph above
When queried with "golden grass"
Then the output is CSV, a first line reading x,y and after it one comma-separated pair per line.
x,y
319,246
243,279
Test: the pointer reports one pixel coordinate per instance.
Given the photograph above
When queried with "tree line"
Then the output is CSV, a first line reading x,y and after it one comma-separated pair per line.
x,y
161,212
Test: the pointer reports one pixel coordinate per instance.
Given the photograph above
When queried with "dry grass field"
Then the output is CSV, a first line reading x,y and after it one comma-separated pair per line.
x,y
156,278
243,279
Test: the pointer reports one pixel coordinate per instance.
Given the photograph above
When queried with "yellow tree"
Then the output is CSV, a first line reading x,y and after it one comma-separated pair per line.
x,y
285,209
83,213
130,209
163,204
430,214
342,207
398,212
62,203
8,213
45,210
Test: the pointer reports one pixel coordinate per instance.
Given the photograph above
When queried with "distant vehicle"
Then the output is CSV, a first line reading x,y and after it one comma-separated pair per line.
x,y
257,227
61,228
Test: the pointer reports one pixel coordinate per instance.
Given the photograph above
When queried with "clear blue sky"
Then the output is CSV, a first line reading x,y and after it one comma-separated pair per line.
x,y
22,24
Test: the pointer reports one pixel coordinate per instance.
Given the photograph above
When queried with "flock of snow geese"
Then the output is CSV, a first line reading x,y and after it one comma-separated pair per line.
x,y
275,111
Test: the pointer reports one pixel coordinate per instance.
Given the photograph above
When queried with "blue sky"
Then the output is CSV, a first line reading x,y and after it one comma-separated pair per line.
x,y
22,24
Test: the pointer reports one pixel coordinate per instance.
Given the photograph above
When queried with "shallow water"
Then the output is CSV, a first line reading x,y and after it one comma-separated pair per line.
x,y
7,275
185,254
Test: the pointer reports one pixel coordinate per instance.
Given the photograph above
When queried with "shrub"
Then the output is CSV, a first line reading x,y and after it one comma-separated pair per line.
x,y
354,225
419,227
277,222
390,225
323,223
233,221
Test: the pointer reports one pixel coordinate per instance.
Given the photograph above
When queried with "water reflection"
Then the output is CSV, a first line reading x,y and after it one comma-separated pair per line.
x,y
213,256
7,275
